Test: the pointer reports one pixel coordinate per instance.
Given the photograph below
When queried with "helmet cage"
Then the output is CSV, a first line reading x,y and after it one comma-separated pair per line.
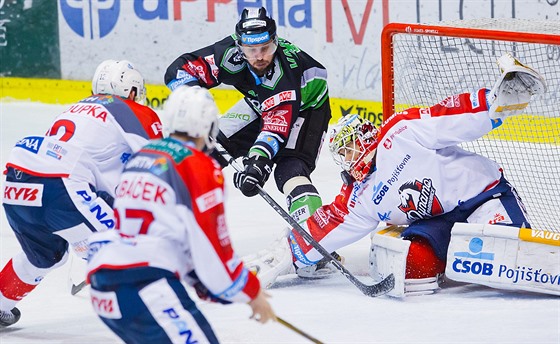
x,y
353,145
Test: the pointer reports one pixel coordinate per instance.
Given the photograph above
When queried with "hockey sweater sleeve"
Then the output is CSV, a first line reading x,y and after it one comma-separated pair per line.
x,y
456,119
344,221
201,67
215,262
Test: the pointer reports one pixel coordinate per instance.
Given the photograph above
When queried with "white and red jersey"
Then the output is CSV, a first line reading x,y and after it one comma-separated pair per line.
x,y
170,215
419,173
102,130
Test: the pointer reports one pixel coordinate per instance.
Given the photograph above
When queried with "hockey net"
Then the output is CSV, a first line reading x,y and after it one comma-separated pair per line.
x,y
423,64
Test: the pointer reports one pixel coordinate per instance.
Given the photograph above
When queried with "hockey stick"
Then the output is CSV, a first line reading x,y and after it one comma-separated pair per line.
x,y
297,330
75,289
377,289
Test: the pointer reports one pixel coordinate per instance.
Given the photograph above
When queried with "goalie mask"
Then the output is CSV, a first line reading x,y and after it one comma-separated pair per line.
x,y
353,144
118,78
193,112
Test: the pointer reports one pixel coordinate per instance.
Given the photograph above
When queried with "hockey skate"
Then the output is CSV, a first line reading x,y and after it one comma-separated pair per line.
x,y
513,90
323,269
8,318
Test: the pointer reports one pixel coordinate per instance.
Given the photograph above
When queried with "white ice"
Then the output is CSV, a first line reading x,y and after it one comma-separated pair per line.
x,y
332,310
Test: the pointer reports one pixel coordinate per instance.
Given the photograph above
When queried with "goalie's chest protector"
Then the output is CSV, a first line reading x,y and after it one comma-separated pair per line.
x,y
413,182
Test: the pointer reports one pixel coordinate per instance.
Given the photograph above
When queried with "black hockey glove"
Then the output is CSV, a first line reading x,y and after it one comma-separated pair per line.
x,y
257,170
104,195
204,294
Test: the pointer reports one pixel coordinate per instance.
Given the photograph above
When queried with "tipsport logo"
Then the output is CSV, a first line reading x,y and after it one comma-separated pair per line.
x,y
91,19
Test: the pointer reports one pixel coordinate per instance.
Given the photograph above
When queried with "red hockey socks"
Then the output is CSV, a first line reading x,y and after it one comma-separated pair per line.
x,y
11,286
422,261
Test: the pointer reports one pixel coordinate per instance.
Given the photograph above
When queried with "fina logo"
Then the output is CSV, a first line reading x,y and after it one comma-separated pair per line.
x,y
91,19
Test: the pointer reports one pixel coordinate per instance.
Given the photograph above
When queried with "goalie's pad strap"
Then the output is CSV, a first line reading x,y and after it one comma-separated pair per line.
x,y
505,257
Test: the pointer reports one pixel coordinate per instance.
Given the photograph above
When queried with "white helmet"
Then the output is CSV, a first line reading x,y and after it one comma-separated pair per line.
x,y
192,111
118,78
353,144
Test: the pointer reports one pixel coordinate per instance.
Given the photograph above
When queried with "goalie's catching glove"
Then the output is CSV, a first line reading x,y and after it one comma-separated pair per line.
x,y
257,170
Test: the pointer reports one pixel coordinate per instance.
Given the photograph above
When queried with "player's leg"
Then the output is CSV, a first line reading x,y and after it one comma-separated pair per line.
x,y
145,309
506,208
42,251
292,174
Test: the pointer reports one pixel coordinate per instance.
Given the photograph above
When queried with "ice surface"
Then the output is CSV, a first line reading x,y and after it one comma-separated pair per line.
x,y
332,310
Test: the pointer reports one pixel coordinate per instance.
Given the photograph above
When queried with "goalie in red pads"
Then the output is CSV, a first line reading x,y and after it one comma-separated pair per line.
x,y
411,172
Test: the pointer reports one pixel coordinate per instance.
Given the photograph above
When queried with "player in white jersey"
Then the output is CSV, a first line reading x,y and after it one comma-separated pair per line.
x,y
411,172
171,229
59,187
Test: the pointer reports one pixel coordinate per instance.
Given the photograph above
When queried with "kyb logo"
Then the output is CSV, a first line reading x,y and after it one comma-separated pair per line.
x,y
92,19
30,195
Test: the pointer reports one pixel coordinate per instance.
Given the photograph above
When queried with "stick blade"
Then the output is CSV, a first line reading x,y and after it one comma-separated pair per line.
x,y
77,288
378,289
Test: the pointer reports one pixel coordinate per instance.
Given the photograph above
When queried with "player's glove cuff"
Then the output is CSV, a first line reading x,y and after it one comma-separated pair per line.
x,y
257,170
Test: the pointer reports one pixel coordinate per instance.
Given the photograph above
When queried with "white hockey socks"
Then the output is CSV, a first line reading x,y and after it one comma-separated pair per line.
x,y
505,257
513,89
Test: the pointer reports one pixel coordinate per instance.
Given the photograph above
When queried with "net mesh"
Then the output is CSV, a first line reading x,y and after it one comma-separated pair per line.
x,y
427,69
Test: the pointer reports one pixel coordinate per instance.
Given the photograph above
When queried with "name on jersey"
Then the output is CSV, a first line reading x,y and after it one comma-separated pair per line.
x,y
138,188
210,199
94,110
26,194
30,143
276,99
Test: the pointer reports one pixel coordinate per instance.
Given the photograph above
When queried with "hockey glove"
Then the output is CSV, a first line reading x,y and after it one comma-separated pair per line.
x,y
257,170
104,195
204,294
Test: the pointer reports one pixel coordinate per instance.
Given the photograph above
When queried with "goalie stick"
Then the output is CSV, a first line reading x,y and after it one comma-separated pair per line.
x,y
377,289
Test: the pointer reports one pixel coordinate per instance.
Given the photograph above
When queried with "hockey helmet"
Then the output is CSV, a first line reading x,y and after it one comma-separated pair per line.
x,y
353,144
191,110
118,78
255,27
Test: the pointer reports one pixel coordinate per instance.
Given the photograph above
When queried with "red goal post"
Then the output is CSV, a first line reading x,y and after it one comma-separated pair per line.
x,y
423,64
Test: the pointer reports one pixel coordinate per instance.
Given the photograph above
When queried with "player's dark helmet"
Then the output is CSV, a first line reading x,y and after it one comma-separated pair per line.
x,y
255,27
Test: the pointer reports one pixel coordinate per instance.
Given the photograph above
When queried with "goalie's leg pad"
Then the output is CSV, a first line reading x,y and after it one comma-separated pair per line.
x,y
505,257
272,262
514,88
390,253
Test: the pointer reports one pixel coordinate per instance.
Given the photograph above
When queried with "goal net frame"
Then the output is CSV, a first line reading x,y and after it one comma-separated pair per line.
x,y
423,64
